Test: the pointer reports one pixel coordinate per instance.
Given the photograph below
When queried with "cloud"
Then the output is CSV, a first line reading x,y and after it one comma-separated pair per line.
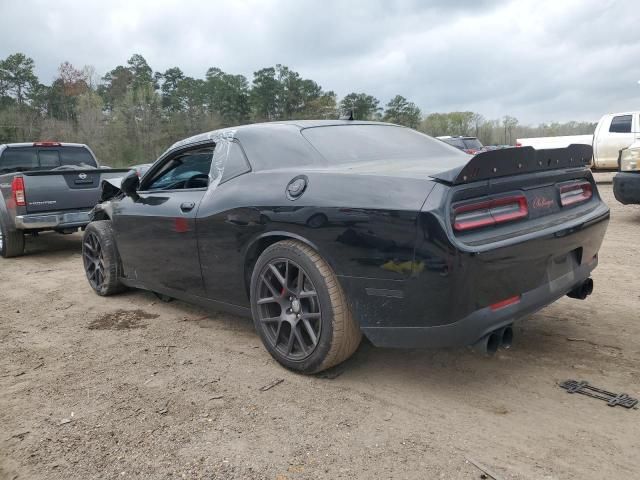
x,y
536,60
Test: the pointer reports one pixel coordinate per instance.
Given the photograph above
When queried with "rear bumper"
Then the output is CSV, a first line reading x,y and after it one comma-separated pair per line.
x,y
52,221
481,322
453,297
626,187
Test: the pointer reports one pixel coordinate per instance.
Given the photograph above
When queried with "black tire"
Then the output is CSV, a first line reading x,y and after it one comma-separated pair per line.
x,y
11,242
101,259
319,330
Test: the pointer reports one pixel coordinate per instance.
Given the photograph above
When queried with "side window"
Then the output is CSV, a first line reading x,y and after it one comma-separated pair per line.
x,y
188,170
236,164
621,124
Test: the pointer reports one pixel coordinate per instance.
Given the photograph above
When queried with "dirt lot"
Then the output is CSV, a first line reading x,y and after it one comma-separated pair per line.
x,y
131,387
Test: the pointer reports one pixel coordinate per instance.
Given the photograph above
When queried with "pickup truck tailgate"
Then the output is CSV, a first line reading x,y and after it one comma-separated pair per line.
x,y
48,191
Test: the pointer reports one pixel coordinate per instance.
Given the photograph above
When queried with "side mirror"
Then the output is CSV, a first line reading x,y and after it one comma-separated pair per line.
x,y
130,184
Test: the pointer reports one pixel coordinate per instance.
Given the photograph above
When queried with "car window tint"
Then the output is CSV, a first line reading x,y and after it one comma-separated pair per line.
x,y
177,171
277,146
456,142
472,143
22,159
361,143
49,158
78,156
621,124
236,163
18,160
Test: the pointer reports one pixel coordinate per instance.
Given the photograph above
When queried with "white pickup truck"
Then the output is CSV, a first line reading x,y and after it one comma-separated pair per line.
x,y
614,132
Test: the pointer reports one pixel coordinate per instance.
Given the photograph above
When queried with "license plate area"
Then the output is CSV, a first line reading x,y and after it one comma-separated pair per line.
x,y
566,264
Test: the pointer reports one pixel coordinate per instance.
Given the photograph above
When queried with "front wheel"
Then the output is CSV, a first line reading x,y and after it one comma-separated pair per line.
x,y
300,310
100,258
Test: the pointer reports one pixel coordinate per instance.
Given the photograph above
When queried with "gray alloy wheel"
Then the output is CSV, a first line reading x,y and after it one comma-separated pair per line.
x,y
288,309
93,260
299,309
100,258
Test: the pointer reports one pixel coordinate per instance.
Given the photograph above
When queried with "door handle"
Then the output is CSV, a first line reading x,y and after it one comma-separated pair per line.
x,y
187,206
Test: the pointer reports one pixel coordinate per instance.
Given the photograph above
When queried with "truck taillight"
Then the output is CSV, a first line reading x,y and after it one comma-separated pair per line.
x,y
575,193
17,189
470,216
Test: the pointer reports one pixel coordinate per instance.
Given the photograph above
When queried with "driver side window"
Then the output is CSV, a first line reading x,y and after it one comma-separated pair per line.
x,y
185,171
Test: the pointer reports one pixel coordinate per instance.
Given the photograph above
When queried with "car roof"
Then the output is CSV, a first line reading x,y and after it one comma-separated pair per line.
x,y
31,144
257,127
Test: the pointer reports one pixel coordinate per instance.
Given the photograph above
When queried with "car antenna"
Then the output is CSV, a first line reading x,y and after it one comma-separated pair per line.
x,y
348,115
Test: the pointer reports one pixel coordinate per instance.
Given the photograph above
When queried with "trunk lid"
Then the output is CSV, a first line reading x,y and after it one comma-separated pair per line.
x,y
510,194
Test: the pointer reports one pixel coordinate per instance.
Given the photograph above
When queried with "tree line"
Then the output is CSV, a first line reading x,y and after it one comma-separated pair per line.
x,y
133,113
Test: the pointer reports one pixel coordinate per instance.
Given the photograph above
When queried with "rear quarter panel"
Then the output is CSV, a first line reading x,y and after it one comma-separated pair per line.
x,y
362,225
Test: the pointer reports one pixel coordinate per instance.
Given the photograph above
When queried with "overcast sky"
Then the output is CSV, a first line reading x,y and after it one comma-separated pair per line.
x,y
536,60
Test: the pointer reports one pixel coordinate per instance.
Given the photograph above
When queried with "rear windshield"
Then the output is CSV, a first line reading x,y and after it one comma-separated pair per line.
x,y
23,159
362,143
473,143
456,142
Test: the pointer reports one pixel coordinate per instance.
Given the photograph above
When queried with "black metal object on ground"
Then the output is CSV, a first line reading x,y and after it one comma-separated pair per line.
x,y
612,399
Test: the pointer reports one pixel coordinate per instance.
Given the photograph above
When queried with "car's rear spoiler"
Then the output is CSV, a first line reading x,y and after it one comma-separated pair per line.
x,y
516,161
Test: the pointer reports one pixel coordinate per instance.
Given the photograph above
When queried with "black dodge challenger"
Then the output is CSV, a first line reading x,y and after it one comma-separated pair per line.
x,y
326,230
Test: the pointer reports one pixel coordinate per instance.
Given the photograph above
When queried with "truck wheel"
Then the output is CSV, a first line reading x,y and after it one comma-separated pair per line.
x,y
300,310
100,257
11,242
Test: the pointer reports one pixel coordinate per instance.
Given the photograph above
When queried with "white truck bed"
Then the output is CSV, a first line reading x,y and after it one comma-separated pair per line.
x,y
554,142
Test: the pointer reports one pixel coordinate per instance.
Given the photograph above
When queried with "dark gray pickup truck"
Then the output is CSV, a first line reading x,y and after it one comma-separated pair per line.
x,y
46,186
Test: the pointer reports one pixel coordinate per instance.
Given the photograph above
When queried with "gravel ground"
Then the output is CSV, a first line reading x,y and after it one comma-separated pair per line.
x,y
131,387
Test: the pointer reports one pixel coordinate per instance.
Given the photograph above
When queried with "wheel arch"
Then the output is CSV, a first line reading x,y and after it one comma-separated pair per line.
x,y
260,243
101,211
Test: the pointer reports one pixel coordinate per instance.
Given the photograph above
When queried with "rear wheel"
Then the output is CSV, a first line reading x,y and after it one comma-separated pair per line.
x,y
11,242
101,259
300,310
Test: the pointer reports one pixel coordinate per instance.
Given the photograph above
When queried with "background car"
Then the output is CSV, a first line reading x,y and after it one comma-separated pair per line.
x,y
467,144
46,186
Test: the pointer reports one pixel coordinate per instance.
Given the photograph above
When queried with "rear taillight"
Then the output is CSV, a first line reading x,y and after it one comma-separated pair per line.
x,y
575,193
17,189
518,144
489,212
